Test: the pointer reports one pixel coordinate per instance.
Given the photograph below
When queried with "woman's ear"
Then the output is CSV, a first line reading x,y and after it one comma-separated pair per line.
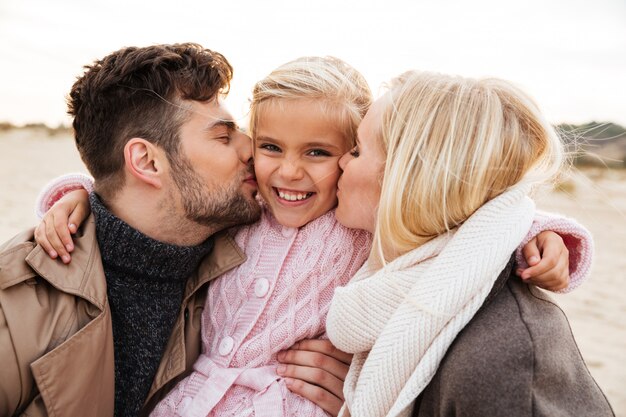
x,y
144,161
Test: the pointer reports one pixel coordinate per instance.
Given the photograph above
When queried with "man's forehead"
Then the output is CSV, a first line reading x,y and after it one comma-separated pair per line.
x,y
212,112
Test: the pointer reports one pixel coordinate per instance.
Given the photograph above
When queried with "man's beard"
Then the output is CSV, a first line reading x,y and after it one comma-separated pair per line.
x,y
219,206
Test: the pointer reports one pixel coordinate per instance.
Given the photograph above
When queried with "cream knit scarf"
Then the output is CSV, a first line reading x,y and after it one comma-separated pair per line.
x,y
400,320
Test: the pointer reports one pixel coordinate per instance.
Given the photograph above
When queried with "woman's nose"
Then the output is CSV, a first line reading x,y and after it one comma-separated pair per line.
x,y
344,160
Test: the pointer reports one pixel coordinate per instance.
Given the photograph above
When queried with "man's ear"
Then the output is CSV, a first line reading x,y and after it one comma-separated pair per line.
x,y
144,161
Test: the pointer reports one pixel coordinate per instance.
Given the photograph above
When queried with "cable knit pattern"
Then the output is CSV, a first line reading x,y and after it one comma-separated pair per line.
x,y
577,239
399,321
279,296
58,187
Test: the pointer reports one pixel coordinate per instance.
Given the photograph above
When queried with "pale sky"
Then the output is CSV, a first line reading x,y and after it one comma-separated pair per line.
x,y
570,55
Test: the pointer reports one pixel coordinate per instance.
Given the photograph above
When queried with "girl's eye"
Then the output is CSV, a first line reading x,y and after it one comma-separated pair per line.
x,y
355,152
318,152
269,147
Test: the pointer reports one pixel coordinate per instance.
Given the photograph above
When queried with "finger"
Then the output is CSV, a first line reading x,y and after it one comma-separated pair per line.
x,y
315,360
531,252
323,346
554,280
78,215
551,246
545,265
324,399
561,282
545,272
63,232
315,376
42,240
54,239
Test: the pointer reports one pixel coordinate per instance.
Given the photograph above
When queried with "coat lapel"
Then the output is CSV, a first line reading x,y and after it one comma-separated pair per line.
x,y
77,377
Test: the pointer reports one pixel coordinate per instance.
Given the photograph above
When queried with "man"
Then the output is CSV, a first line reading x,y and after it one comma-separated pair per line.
x,y
114,330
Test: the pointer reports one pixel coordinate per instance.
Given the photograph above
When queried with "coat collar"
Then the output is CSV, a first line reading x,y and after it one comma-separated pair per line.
x,y
75,278
224,256
24,259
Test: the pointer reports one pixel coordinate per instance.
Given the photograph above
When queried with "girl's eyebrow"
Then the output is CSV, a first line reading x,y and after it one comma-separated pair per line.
x,y
268,139
305,145
321,145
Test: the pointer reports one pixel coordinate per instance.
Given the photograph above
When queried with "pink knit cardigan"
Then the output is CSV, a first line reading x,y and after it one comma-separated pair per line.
x,y
280,295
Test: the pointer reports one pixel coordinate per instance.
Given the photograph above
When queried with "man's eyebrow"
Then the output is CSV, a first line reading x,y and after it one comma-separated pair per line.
x,y
228,124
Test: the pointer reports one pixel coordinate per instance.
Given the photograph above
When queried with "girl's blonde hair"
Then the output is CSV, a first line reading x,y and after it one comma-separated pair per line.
x,y
451,145
342,92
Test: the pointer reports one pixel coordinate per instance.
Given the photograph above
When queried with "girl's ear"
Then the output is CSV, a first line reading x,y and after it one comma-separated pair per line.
x,y
144,161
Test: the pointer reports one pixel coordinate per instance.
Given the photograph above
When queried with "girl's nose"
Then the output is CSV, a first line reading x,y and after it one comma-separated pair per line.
x,y
291,170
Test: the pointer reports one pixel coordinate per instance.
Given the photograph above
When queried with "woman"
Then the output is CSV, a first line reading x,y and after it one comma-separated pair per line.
x,y
440,176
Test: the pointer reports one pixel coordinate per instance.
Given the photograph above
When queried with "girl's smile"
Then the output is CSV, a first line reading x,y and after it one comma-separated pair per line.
x,y
291,196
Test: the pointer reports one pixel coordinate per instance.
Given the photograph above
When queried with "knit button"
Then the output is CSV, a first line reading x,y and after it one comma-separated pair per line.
x,y
288,231
261,287
226,345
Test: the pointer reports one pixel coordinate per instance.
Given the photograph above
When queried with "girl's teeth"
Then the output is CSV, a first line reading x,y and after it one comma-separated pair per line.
x,y
293,197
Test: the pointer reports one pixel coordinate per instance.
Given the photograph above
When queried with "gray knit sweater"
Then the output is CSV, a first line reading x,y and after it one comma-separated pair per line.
x,y
145,286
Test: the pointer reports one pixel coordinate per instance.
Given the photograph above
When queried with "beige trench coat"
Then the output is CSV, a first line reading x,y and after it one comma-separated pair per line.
x,y
56,342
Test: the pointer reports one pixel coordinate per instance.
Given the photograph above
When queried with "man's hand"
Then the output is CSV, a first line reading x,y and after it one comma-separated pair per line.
x,y
316,370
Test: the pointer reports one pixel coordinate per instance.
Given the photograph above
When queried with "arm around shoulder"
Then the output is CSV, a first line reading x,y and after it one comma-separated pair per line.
x,y
576,239
58,187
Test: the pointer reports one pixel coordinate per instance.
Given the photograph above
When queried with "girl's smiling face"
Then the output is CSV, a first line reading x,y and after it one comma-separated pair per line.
x,y
297,150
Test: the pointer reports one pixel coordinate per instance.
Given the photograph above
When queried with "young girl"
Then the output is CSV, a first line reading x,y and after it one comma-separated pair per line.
x,y
304,117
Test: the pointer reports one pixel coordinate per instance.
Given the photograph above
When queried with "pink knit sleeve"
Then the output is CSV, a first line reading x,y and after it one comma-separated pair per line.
x,y
58,187
577,239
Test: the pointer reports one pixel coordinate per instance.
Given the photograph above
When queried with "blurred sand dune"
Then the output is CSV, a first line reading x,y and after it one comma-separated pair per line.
x,y
597,199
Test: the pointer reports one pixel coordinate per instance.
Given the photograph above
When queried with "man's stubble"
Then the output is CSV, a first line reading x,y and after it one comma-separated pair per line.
x,y
216,206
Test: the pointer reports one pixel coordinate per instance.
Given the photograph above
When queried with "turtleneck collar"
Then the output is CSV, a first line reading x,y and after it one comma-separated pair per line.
x,y
128,250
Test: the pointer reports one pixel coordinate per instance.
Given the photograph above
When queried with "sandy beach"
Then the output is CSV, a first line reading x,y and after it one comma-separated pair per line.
x,y
596,198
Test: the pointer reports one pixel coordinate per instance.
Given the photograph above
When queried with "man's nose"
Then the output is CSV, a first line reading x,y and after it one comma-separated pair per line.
x,y
244,146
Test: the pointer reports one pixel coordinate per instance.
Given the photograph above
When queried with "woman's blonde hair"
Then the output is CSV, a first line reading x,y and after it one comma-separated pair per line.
x,y
451,145
342,92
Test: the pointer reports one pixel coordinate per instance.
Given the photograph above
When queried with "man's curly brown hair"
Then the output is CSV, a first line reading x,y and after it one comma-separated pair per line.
x,y
137,92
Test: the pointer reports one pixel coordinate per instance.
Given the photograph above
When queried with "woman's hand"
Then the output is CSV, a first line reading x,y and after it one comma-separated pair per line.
x,y
60,222
548,260
316,370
